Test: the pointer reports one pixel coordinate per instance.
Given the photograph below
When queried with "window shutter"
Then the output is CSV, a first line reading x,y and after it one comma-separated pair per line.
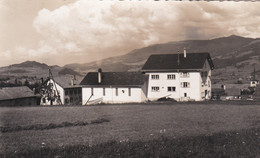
x,y
188,84
181,84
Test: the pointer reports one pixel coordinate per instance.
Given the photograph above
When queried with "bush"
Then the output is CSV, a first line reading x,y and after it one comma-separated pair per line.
x,y
51,125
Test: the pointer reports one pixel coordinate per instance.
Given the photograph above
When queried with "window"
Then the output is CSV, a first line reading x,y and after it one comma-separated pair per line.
x,y
155,77
155,89
104,91
185,94
185,74
209,83
66,92
171,89
129,91
171,77
185,84
116,91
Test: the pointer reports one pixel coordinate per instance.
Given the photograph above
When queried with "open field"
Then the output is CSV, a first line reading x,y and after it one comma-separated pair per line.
x,y
199,130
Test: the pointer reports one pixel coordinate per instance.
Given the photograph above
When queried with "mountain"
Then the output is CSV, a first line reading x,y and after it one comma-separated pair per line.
x,y
67,71
32,68
31,64
234,57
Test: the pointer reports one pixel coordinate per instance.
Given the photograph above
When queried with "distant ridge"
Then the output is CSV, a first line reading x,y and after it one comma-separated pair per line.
x,y
34,68
232,55
31,64
67,71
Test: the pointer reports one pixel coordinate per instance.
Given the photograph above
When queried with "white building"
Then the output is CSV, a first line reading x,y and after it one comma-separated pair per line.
x,y
114,87
60,91
179,76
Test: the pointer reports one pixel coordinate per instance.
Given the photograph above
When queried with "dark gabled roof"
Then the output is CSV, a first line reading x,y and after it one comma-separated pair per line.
x,y
164,62
115,79
64,82
9,93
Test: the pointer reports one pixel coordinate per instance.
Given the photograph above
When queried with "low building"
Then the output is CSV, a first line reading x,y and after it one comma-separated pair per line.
x,y
18,96
114,87
61,91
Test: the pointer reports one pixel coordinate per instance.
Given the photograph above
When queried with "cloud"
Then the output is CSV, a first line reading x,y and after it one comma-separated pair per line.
x,y
91,30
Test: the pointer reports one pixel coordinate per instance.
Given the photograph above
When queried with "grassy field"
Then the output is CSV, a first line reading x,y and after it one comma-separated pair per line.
x,y
178,130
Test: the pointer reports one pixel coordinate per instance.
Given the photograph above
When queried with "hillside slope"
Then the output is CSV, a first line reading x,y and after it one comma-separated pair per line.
x,y
234,57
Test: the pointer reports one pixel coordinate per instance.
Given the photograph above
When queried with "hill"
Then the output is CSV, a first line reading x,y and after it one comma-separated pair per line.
x,y
67,71
32,68
234,57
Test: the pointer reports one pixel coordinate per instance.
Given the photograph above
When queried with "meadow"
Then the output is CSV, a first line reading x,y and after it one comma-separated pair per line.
x,y
157,130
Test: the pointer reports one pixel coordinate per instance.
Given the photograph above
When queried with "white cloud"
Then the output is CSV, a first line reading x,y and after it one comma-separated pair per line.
x,y
6,54
91,30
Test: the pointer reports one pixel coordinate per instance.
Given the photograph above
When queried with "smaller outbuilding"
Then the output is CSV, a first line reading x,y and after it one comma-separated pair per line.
x,y
61,91
114,87
18,96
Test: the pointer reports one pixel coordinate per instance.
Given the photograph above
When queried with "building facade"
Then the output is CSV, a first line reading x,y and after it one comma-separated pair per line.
x,y
183,77
113,87
61,91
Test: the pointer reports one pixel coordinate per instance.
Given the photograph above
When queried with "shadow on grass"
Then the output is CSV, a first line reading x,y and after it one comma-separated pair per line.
x,y
51,125
235,144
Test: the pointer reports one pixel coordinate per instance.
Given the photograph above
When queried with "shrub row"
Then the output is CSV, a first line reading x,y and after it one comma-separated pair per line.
x,y
51,125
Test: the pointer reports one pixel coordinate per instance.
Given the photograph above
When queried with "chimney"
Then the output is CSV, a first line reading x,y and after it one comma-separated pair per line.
x,y
72,82
184,52
99,75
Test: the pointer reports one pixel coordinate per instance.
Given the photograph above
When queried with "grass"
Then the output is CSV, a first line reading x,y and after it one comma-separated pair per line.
x,y
244,143
133,131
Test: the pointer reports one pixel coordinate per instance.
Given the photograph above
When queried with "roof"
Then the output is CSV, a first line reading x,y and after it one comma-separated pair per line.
x,y
65,82
115,79
169,62
8,93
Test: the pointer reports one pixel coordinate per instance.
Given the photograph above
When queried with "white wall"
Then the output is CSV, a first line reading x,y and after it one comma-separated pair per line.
x,y
110,95
193,91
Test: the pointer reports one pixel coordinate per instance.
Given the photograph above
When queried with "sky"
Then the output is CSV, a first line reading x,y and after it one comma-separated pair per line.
x,y
59,32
